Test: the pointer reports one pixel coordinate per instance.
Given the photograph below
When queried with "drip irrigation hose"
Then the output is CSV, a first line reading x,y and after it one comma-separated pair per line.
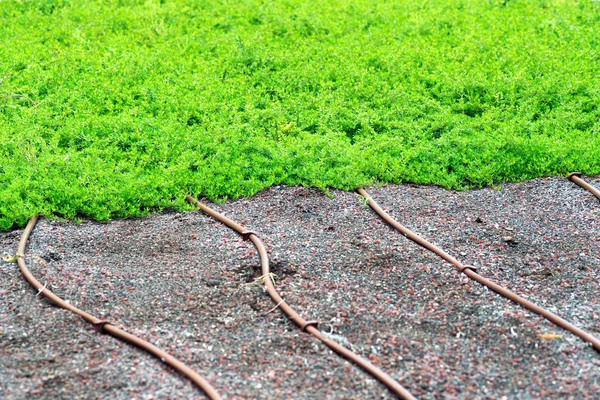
x,y
102,326
575,177
471,273
305,326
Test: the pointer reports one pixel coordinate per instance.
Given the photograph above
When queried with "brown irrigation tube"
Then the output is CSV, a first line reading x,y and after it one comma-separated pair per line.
x,y
470,272
105,326
305,326
576,178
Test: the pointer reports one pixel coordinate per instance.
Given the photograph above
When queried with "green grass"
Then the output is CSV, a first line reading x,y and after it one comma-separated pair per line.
x,y
119,108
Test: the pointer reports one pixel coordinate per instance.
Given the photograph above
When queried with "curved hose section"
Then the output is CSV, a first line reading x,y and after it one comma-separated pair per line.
x,y
575,177
470,272
306,326
103,326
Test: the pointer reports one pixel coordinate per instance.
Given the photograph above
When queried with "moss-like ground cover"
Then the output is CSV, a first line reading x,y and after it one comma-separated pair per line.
x,y
117,108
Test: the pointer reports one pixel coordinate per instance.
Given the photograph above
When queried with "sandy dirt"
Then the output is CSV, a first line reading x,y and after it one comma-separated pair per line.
x,y
186,283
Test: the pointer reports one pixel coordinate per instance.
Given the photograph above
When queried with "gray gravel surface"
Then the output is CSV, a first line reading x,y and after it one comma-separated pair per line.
x,y
185,283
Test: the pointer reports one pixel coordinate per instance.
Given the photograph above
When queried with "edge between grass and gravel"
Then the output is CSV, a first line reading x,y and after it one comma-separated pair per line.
x,y
118,109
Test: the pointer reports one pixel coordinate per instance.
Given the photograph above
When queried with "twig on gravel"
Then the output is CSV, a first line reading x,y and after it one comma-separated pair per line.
x,y
274,308
13,259
40,290
263,279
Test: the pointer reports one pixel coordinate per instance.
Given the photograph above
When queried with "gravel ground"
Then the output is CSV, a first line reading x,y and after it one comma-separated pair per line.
x,y
185,283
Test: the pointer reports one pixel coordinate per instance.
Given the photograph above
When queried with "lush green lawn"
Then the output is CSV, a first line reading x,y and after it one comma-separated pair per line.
x,y
116,108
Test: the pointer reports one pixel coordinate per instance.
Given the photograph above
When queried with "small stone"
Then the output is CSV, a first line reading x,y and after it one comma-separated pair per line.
x,y
510,239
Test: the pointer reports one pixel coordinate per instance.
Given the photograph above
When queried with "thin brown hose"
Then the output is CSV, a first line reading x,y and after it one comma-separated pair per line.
x,y
470,272
307,326
105,326
575,177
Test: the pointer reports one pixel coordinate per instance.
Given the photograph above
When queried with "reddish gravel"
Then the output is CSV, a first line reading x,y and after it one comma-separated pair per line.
x,y
184,282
